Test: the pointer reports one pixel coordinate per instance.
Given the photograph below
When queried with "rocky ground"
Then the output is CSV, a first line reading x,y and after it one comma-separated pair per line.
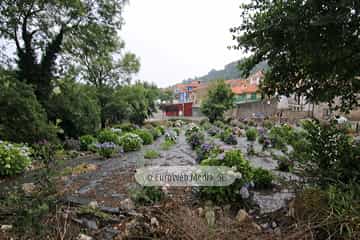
x,y
96,203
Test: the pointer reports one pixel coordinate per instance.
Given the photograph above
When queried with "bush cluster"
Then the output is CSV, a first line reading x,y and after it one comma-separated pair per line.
x,y
107,135
14,158
145,135
86,141
130,142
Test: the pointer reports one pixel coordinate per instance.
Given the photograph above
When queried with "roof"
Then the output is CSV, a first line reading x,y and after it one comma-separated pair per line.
x,y
246,88
236,82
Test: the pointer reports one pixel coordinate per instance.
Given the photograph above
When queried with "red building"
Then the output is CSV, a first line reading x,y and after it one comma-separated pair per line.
x,y
179,109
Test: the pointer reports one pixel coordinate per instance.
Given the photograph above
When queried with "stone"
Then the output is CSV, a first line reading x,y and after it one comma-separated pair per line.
x,y
93,204
273,225
28,188
91,224
6,227
210,216
84,237
108,233
127,204
265,225
200,212
154,222
277,231
242,216
74,200
111,210
256,226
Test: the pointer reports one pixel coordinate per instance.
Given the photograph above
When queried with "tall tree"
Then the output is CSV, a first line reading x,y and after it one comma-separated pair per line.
x,y
312,47
39,28
219,100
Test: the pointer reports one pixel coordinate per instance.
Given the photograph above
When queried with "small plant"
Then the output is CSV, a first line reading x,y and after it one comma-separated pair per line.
x,y
71,144
44,151
130,142
166,145
268,124
284,164
170,136
192,127
262,178
126,127
250,150
251,134
207,150
155,132
86,141
106,149
228,137
195,139
143,195
177,131
14,158
145,135
161,129
106,135
151,154
213,131
219,124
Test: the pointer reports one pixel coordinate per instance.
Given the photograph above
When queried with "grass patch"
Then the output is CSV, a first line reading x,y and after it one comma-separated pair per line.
x,y
151,154
166,145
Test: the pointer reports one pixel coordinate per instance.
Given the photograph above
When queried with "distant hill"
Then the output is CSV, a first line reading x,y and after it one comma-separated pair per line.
x,y
230,71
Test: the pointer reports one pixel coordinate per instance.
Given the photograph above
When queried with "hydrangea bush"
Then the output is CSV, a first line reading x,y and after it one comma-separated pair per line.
x,y
107,135
131,142
86,141
14,158
192,127
107,149
145,135
195,139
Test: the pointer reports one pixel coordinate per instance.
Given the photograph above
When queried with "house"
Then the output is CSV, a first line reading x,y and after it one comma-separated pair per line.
x,y
184,92
246,93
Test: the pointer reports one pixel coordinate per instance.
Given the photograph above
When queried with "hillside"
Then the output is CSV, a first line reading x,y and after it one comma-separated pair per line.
x,y
230,71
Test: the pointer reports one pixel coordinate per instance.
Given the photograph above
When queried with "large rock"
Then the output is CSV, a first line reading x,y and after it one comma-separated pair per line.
x,y
242,216
84,237
28,188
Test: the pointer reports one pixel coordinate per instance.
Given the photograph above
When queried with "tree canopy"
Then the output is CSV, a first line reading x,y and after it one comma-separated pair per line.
x,y
312,47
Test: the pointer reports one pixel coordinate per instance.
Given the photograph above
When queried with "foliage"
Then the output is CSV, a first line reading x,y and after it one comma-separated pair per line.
x,y
38,46
155,132
337,208
151,154
14,158
268,124
44,151
195,139
333,157
166,145
71,144
126,127
161,129
131,142
145,135
282,135
219,124
86,141
213,131
233,159
219,100
191,128
170,136
106,149
22,118
262,178
106,135
176,130
77,108
228,137
207,150
317,58
143,195
251,134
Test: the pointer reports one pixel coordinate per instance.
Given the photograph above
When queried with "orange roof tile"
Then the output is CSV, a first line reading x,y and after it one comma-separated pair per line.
x,y
246,88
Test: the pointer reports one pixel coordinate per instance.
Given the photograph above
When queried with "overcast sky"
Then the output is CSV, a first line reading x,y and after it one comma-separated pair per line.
x,y
178,39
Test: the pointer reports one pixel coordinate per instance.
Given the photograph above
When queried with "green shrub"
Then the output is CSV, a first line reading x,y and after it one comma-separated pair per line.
x,y
145,135
155,132
219,124
86,141
22,118
143,195
130,142
106,149
44,151
251,134
268,124
235,160
106,135
262,178
14,158
151,154
191,129
228,137
126,127
177,131
195,139
166,145
170,136
161,129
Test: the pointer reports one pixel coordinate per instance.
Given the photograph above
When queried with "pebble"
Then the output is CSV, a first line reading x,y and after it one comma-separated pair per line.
x,y
242,216
84,237
6,227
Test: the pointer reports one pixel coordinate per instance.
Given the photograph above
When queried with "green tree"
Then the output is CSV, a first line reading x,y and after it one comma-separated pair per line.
x,y
312,47
39,29
219,100
22,118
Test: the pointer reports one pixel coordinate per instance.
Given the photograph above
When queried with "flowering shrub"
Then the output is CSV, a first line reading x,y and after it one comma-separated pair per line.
x,y
227,137
179,123
195,139
145,135
71,144
131,142
155,132
44,151
213,131
86,141
14,158
106,149
191,129
262,178
170,136
107,135
118,131
251,134
207,150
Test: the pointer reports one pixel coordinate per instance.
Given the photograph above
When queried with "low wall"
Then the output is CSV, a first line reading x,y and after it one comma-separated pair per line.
x,y
247,110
